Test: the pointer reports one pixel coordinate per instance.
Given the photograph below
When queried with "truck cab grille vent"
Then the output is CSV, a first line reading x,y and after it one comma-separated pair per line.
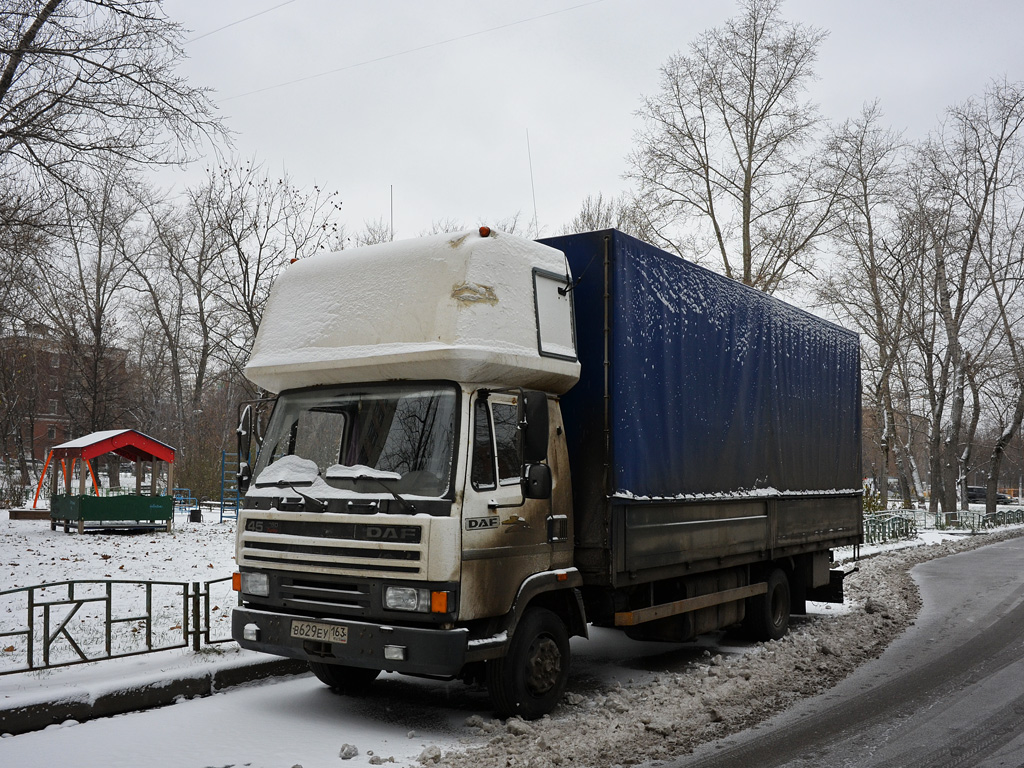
x,y
325,546
325,596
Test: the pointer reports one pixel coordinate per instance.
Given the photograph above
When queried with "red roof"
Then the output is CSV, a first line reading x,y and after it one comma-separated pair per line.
x,y
128,443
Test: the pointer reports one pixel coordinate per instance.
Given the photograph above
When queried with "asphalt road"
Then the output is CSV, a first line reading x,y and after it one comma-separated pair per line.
x,y
949,692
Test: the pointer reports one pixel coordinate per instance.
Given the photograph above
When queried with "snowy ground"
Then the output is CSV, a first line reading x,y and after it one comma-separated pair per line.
x,y
32,554
627,703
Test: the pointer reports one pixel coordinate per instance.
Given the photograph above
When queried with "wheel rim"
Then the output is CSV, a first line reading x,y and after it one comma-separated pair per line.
x,y
543,666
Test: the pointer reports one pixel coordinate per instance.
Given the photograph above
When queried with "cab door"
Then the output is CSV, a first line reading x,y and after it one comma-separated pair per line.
x,y
504,536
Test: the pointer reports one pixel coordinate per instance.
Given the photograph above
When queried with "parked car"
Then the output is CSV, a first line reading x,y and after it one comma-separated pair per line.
x,y
976,493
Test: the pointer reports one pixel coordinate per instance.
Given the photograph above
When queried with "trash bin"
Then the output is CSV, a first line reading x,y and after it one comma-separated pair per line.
x,y
195,516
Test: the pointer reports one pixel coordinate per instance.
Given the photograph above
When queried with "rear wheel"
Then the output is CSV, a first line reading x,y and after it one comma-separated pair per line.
x,y
351,681
530,680
768,614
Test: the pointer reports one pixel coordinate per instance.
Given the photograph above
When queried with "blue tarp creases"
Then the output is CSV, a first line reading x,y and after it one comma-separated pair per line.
x,y
713,387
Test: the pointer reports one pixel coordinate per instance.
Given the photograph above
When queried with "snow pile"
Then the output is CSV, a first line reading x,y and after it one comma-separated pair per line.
x,y
719,693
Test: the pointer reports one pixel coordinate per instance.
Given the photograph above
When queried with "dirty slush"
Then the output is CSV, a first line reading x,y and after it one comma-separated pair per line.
x,y
719,695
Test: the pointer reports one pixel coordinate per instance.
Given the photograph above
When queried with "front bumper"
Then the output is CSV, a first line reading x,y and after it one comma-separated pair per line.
x,y
436,652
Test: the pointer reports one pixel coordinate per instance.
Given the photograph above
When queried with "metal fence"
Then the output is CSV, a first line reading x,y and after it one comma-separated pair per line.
x,y
74,622
977,521
880,527
888,525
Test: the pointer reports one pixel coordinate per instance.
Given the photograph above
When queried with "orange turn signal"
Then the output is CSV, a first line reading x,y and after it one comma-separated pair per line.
x,y
236,582
439,602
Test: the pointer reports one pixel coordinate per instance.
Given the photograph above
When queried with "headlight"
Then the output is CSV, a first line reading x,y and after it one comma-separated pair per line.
x,y
257,584
407,599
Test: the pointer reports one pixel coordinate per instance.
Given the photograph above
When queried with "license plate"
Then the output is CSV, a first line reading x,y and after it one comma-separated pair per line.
x,y
314,630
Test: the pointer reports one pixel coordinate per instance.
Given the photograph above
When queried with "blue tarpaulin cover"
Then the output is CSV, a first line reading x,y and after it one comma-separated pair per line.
x,y
712,387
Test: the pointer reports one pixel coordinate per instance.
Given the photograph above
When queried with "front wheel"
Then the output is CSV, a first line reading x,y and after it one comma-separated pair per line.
x,y
531,678
351,681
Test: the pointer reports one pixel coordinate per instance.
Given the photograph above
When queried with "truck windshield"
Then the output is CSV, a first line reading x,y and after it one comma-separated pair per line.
x,y
388,439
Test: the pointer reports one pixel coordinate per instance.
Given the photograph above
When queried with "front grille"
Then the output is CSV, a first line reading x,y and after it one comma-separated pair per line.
x,y
314,549
331,547
322,597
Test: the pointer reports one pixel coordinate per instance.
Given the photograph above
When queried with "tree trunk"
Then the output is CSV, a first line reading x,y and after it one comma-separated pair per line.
x,y
114,471
996,459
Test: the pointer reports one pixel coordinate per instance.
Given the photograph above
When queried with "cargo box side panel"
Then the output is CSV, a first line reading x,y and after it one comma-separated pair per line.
x,y
720,389
666,534
833,520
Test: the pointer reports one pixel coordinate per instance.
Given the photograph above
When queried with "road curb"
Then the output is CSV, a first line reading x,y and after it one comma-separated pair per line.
x,y
80,705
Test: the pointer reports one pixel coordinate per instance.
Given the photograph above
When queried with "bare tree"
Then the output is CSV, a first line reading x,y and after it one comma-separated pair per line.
x,y
868,280
510,224
1001,250
724,147
600,212
83,80
964,182
175,275
375,232
262,222
80,295
444,226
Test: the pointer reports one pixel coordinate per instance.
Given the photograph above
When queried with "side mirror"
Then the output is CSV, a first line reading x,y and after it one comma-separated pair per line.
x,y
244,477
537,483
535,430
244,433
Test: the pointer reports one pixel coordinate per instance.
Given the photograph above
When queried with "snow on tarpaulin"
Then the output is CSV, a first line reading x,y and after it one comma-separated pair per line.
x,y
714,388
453,306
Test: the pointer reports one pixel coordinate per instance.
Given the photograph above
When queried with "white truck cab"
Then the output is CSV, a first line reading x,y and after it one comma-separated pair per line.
x,y
413,484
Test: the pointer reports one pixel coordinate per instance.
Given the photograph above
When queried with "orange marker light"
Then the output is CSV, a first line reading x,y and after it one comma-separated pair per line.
x,y
439,602
236,582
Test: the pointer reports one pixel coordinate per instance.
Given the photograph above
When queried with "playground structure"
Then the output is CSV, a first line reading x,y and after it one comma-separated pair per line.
x,y
124,510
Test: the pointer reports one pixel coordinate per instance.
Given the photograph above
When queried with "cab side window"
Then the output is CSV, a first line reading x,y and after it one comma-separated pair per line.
x,y
483,448
506,433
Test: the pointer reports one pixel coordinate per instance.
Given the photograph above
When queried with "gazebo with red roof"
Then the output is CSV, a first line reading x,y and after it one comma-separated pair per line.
x,y
119,510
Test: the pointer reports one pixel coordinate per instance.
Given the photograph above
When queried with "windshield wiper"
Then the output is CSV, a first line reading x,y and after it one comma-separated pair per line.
x,y
281,484
406,506
361,472
319,505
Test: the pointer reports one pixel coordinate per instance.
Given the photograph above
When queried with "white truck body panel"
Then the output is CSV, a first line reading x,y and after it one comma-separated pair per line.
x,y
326,323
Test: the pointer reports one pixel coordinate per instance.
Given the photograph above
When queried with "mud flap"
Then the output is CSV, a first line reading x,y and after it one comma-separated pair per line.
x,y
831,592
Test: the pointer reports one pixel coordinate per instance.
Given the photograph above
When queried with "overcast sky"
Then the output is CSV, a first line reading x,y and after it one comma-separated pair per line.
x,y
435,98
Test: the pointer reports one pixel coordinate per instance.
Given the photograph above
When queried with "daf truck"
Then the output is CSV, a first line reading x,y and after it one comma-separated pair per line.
x,y
484,445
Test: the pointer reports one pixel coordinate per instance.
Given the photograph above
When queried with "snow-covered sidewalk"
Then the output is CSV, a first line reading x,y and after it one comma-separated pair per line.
x,y
32,554
627,701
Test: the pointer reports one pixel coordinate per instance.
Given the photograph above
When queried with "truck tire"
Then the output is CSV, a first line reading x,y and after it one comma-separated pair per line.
x,y
530,680
350,681
768,614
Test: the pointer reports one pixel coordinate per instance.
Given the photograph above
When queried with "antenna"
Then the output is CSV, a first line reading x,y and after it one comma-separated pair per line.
x,y
533,189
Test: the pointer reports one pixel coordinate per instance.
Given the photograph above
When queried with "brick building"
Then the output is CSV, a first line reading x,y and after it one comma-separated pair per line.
x,y
33,378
